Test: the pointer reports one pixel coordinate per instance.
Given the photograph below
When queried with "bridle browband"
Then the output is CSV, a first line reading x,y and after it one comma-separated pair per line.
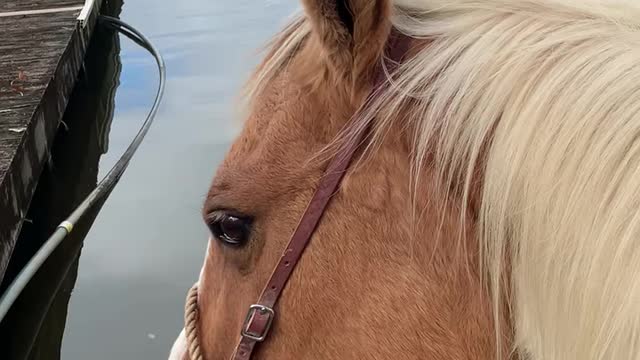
x,y
260,316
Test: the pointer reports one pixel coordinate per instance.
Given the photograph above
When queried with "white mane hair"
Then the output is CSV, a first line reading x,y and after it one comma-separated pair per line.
x,y
542,98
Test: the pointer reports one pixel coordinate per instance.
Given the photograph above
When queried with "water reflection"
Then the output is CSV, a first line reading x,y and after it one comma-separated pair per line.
x,y
147,245
34,327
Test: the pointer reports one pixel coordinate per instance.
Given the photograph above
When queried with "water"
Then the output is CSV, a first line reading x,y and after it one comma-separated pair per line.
x,y
146,246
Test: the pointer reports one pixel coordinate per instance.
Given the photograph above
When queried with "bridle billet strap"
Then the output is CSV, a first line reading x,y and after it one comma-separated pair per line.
x,y
258,321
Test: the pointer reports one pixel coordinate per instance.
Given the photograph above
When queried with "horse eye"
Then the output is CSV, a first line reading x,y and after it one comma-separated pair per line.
x,y
230,229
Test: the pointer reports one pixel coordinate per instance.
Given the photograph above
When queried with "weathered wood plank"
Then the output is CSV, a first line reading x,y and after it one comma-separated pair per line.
x,y
34,327
30,48
40,57
20,5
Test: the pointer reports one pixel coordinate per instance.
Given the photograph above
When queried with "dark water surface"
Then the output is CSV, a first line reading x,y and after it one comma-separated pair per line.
x,y
146,246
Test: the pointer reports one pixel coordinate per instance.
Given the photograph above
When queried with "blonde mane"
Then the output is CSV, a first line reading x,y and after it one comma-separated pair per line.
x,y
542,98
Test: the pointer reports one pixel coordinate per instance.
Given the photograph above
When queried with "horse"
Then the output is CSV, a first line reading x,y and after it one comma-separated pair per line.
x,y
492,207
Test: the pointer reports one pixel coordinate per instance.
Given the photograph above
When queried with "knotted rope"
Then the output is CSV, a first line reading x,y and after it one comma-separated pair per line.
x,y
191,324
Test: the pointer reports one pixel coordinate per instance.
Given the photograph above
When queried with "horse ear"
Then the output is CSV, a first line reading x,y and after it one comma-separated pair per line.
x,y
352,33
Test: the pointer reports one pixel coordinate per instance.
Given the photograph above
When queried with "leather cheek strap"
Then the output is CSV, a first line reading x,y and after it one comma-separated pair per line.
x,y
261,315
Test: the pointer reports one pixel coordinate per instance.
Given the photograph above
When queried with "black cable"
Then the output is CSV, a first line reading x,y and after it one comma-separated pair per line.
x,y
104,188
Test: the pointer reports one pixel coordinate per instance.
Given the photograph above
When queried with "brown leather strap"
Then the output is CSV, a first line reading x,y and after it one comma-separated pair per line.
x,y
260,317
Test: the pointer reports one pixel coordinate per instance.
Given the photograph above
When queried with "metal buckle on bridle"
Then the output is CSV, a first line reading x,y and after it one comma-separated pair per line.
x,y
251,316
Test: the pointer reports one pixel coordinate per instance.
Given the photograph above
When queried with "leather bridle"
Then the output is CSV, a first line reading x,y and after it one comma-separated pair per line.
x,y
260,316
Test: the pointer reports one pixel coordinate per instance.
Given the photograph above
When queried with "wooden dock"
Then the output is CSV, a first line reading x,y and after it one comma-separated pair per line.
x,y
42,47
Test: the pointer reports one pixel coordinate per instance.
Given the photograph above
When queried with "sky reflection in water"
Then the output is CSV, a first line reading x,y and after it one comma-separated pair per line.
x,y
147,245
